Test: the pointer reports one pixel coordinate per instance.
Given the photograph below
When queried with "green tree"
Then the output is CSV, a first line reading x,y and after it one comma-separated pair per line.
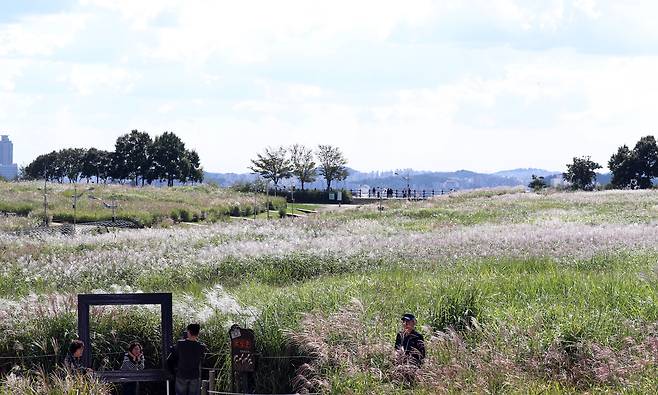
x,y
48,165
132,154
273,164
191,170
636,167
36,169
71,160
646,160
303,164
54,167
117,170
622,165
168,152
581,173
96,164
537,183
333,165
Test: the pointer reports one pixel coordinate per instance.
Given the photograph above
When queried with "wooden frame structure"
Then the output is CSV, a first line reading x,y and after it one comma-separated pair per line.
x,y
85,301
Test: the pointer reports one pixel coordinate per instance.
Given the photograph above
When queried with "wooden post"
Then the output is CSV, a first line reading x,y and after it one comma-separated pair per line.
x,y
211,380
204,387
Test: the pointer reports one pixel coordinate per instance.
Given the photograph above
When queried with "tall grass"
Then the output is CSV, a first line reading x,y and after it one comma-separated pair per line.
x,y
144,205
509,300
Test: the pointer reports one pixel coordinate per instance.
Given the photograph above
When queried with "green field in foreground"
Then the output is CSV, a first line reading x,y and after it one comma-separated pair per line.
x,y
515,293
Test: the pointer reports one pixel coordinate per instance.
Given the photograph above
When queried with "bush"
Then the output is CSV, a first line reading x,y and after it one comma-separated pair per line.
x,y
22,209
283,212
174,216
185,215
244,187
276,203
234,211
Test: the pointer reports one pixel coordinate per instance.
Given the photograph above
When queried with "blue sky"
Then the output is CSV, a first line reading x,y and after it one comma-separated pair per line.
x,y
433,85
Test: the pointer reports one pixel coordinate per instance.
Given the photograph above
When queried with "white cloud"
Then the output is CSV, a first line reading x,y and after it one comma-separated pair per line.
x,y
589,7
14,108
89,78
427,84
250,31
139,13
11,70
40,35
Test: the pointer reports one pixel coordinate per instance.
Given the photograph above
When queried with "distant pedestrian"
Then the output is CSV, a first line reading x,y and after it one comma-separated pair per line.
x,y
409,341
133,360
189,354
73,360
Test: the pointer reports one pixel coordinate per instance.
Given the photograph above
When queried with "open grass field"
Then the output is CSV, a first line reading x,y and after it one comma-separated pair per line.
x,y
146,206
515,293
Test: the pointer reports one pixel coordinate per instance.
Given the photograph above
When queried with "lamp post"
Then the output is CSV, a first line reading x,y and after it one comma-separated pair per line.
x,y
75,202
292,198
112,206
45,199
267,197
407,180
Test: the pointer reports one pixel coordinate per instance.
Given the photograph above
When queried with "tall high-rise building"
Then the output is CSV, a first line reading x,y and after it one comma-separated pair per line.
x,y
8,169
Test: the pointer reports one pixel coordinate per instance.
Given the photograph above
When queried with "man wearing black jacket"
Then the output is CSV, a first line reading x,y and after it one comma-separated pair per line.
x,y
410,341
188,354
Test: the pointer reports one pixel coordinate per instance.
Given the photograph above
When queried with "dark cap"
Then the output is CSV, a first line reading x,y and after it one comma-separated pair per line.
x,y
408,317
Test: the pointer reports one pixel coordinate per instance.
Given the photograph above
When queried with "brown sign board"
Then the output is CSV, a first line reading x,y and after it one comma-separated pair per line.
x,y
243,349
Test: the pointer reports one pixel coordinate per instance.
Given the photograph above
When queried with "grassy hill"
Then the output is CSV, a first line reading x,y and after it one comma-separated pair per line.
x,y
146,206
515,293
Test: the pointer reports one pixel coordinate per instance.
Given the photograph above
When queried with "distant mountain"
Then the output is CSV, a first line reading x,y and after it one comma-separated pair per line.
x,y
524,176
228,179
419,180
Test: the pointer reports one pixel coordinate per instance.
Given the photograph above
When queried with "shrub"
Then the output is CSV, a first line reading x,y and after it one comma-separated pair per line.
x,y
234,211
174,216
185,215
22,209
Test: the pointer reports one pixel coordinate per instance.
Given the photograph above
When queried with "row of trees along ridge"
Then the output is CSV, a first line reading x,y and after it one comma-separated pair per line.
x,y
136,157
280,163
631,168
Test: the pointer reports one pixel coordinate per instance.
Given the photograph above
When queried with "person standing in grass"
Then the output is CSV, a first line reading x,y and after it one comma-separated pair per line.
x,y
409,341
189,353
132,360
73,360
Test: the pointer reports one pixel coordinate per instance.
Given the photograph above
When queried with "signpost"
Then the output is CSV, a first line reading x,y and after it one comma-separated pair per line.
x,y
243,359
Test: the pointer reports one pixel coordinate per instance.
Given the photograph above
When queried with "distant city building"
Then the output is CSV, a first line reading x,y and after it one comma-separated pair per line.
x,y
8,169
